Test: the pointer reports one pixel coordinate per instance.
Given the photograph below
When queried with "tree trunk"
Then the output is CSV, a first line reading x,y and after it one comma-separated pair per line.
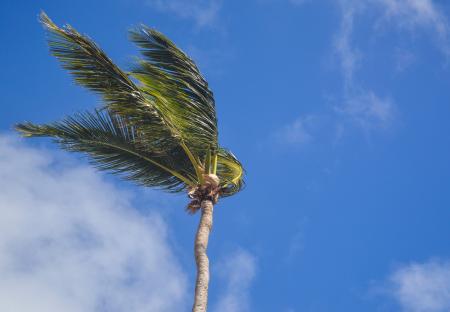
x,y
201,259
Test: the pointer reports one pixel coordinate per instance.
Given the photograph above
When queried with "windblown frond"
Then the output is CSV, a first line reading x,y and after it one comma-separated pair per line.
x,y
157,129
179,91
230,172
116,147
92,68
163,125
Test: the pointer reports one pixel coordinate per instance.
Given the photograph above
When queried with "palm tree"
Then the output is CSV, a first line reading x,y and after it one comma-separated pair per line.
x,y
157,126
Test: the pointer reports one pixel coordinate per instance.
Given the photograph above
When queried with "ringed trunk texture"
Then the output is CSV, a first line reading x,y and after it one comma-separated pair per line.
x,y
201,259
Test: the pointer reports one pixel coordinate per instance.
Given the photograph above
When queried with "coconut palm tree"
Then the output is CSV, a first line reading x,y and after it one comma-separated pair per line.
x,y
157,125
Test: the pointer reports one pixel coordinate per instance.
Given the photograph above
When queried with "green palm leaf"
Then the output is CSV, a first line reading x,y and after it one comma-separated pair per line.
x,y
157,127
116,147
180,92
160,132
230,172
92,68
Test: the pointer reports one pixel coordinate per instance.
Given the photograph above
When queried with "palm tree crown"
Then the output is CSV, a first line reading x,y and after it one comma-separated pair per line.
x,y
157,125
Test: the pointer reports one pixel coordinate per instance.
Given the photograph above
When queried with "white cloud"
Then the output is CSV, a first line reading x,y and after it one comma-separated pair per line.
x,y
422,287
203,12
237,271
368,110
70,241
298,132
361,104
347,54
416,14
410,15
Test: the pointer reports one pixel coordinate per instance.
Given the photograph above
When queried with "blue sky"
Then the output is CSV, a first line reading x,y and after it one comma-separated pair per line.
x,y
339,111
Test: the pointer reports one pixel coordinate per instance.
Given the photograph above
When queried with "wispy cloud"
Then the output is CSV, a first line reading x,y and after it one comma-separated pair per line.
x,y
415,15
202,12
298,132
297,241
237,271
421,287
347,54
70,241
360,103
369,110
309,129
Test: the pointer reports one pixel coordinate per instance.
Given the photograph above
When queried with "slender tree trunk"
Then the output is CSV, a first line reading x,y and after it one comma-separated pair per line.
x,y
201,259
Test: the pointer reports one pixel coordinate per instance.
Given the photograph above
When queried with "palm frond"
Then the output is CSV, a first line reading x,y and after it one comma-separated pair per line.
x,y
159,131
92,68
230,172
116,147
179,91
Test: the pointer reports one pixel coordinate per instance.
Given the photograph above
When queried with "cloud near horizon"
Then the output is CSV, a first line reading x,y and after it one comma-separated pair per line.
x,y
421,287
71,241
237,271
